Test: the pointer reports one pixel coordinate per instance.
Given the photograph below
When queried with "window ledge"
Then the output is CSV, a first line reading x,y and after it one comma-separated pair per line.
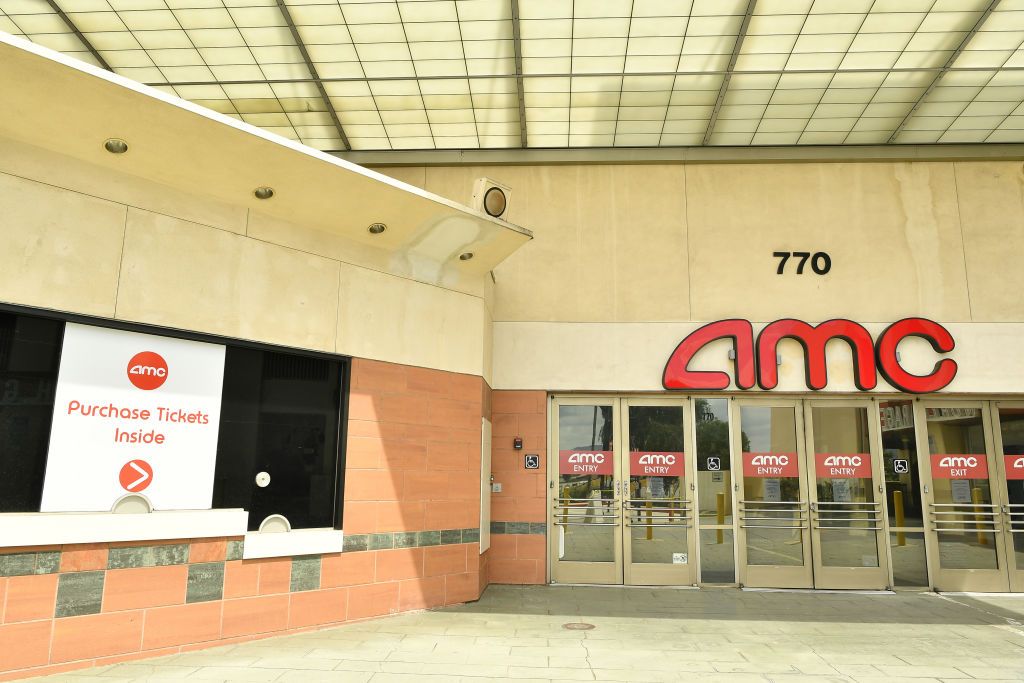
x,y
290,543
59,528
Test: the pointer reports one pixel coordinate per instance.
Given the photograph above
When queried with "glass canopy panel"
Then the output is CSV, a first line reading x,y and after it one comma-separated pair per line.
x,y
596,72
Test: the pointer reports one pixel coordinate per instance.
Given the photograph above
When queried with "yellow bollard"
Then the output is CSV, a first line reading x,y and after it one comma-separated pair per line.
x,y
720,518
565,504
650,516
976,496
897,503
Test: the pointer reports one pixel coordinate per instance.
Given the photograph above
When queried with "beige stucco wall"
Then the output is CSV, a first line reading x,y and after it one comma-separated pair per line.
x,y
675,245
82,239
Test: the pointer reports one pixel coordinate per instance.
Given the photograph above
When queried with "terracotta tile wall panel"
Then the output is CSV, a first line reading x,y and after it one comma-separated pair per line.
x,y
125,589
30,597
413,445
518,558
314,608
96,635
182,624
373,600
249,616
82,558
24,645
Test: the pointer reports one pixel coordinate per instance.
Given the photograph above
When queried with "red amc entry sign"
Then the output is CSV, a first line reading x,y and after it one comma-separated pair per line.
x,y
1014,466
770,465
967,466
661,464
842,465
585,462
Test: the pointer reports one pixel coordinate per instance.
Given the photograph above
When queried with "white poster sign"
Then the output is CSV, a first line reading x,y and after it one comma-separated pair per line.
x,y
961,490
133,413
841,491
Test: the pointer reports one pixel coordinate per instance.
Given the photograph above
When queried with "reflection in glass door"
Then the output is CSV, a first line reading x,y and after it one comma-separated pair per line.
x,y
965,539
586,538
774,529
1010,461
657,502
903,494
846,510
714,495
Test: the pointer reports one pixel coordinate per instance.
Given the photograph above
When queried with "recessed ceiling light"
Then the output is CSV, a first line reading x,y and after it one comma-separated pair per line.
x,y
377,228
465,256
115,146
263,192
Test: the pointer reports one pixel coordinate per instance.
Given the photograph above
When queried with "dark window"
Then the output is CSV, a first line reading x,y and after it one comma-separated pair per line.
x,y
29,359
280,415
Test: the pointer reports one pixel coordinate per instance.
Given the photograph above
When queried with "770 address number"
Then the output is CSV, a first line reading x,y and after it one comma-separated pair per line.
x,y
821,262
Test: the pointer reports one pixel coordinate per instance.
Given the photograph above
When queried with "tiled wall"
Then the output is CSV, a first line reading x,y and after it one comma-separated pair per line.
x,y
411,541
518,514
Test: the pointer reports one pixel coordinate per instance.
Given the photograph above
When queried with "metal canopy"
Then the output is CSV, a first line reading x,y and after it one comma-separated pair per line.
x,y
493,74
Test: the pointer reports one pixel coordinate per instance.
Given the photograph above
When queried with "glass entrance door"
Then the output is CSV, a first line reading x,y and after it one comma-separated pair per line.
x,y
657,494
774,544
847,529
1010,464
965,520
586,510
622,498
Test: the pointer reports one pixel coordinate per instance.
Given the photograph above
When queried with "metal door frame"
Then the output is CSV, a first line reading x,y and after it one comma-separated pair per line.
x,y
852,577
981,580
771,576
560,511
651,574
1012,514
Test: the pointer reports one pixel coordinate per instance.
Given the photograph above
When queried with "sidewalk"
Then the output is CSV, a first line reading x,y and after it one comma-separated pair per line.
x,y
638,634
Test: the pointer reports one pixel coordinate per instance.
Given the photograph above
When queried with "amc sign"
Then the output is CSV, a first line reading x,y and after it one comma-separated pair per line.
x,y
585,462
770,465
842,465
756,362
968,466
645,464
1014,466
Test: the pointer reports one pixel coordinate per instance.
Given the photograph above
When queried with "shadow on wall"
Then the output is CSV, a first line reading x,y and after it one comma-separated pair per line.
x,y
412,488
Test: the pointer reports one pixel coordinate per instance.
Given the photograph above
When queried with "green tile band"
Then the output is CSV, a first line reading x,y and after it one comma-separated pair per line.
x,y
23,564
535,528
409,539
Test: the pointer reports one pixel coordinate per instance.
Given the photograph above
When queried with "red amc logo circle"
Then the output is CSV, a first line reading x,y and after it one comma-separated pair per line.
x,y
147,370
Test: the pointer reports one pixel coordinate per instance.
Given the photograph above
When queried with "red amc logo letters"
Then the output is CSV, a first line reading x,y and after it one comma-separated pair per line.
x,y
869,358
147,370
966,466
585,462
767,465
662,464
842,465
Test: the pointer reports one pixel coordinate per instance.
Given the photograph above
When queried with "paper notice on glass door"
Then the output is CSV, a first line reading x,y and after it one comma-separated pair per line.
x,y
961,490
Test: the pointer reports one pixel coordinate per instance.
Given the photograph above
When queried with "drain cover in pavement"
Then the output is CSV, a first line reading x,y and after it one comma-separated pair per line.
x,y
577,626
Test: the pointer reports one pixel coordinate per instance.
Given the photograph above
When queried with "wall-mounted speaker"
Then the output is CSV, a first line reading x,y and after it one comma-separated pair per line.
x,y
491,197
